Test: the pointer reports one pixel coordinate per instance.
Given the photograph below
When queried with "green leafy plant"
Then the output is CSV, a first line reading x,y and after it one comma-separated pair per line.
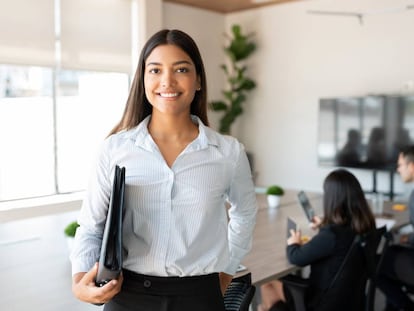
x,y
275,190
239,49
70,229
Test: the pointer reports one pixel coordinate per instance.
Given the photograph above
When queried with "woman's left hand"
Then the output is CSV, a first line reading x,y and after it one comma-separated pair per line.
x,y
295,237
225,280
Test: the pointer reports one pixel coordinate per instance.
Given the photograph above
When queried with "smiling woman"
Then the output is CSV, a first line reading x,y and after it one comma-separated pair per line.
x,y
180,176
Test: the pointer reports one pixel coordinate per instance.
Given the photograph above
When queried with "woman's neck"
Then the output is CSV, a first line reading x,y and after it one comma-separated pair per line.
x,y
172,135
172,128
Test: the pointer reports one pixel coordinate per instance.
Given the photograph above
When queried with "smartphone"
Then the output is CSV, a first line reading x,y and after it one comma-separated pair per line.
x,y
306,205
290,225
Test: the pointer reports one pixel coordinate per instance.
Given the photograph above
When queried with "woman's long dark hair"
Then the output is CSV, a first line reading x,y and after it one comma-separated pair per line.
x,y
344,202
138,107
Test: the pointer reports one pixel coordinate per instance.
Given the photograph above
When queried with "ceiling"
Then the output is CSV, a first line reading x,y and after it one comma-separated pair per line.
x,y
227,6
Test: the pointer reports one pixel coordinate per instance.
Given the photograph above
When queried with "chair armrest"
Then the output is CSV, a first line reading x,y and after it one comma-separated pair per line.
x,y
239,294
295,281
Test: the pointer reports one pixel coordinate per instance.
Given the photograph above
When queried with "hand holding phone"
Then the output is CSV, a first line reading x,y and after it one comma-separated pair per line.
x,y
306,206
291,225
293,234
315,223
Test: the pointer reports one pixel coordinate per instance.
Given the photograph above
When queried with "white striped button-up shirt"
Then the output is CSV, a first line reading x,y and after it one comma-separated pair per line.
x,y
177,221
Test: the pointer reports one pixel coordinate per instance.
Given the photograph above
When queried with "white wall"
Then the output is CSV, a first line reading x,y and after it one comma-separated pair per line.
x,y
300,58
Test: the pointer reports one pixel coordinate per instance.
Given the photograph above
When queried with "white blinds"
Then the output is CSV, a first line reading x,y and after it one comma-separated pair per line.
x,y
95,34
27,32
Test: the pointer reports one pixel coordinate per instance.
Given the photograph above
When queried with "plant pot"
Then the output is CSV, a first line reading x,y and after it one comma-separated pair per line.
x,y
273,200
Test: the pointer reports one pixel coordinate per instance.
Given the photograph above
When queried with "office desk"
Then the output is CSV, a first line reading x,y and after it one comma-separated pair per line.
x,y
267,259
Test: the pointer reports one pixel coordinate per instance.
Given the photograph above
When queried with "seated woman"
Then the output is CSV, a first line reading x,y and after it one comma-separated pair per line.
x,y
346,214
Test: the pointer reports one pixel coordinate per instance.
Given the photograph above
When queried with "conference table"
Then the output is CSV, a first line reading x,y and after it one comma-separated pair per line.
x,y
267,260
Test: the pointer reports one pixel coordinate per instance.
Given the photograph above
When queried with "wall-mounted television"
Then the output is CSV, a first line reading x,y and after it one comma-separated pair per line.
x,y
364,132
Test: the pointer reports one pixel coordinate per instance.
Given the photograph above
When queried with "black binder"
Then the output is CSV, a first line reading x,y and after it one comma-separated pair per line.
x,y
110,259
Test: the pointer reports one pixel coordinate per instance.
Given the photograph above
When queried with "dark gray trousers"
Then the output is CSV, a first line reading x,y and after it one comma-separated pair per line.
x,y
148,293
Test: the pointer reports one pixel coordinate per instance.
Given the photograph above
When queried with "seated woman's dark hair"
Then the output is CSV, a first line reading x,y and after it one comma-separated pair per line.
x,y
344,202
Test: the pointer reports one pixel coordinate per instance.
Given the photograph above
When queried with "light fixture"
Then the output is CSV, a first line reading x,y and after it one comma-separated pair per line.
x,y
361,15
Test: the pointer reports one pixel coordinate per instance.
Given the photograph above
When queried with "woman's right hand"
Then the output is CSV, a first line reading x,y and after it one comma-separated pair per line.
x,y
316,222
84,288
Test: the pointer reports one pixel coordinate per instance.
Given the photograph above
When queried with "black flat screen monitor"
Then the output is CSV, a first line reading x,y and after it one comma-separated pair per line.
x,y
364,132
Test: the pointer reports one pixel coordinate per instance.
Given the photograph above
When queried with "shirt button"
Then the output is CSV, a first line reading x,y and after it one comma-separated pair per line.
x,y
147,283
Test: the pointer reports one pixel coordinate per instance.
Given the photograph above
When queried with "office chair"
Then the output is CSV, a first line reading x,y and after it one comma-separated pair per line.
x,y
382,239
404,267
239,294
354,283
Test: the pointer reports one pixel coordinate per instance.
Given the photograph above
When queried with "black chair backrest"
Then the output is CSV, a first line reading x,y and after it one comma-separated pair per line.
x,y
404,265
357,272
382,240
239,294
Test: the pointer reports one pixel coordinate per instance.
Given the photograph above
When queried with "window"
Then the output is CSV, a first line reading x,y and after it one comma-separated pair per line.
x,y
88,106
49,142
64,79
26,137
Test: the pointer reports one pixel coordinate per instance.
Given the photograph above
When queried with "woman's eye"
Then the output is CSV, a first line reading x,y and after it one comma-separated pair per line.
x,y
182,70
154,70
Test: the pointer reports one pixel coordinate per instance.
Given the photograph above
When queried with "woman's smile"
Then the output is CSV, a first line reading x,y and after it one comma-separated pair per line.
x,y
169,95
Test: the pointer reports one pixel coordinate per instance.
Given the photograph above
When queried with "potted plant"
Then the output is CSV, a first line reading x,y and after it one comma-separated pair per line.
x,y
70,231
274,192
238,50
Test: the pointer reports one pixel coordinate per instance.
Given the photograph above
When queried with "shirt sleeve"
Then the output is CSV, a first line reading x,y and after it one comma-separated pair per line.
x,y
242,212
411,215
92,218
320,246
411,207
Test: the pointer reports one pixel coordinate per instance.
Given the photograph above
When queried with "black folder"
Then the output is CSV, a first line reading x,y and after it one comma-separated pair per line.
x,y
110,259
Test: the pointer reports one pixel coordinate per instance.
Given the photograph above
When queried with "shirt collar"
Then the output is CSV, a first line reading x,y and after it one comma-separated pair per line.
x,y
206,136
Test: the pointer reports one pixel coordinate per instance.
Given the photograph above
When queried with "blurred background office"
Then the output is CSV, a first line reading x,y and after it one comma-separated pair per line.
x,y
65,65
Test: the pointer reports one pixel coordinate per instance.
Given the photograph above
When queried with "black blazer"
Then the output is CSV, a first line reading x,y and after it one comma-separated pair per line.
x,y
325,253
